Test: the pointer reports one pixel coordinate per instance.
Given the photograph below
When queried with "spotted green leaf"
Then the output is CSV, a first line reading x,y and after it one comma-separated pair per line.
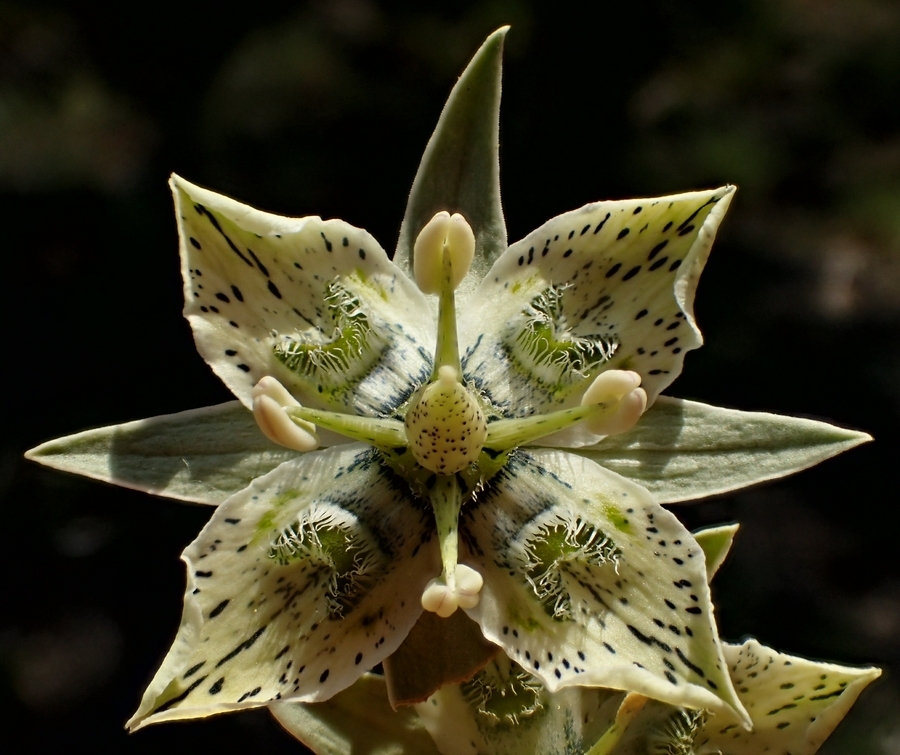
x,y
315,303
201,455
357,721
460,169
682,450
297,585
589,581
608,286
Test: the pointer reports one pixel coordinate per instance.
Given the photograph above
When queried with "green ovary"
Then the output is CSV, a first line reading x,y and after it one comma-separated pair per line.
x,y
445,426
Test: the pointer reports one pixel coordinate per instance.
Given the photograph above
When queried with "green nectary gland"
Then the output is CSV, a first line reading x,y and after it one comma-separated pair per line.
x,y
350,353
543,346
346,556
551,547
501,701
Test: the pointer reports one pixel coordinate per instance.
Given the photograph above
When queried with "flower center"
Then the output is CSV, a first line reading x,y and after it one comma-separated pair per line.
x,y
439,446
445,425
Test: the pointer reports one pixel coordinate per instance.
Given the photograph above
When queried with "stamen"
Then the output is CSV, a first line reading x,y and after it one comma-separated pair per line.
x,y
459,586
620,386
270,402
612,404
384,434
443,236
442,256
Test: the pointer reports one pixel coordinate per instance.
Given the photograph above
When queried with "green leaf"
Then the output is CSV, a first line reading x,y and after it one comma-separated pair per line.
x,y
460,169
357,721
201,455
295,587
682,450
716,543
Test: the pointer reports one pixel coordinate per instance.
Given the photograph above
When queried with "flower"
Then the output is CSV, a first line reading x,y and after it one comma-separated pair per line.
x,y
794,705
392,453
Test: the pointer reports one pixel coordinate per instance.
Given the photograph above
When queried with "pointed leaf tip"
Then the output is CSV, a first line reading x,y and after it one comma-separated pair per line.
x,y
460,169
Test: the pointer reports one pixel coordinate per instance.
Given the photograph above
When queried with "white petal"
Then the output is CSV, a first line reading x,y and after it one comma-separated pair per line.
x,y
256,285
298,585
794,703
588,581
623,276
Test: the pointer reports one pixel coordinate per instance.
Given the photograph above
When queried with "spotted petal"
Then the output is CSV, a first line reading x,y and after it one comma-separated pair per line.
x,y
297,585
315,303
503,710
608,286
794,703
588,581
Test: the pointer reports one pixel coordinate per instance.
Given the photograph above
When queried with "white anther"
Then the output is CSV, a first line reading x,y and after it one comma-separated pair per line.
x,y
270,387
440,599
465,592
444,233
623,416
625,402
468,586
269,401
610,386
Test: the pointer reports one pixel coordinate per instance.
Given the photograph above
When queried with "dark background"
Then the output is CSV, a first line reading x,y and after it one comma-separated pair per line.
x,y
324,108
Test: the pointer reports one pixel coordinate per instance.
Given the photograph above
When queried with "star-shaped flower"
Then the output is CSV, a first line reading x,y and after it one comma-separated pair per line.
x,y
452,430
794,705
